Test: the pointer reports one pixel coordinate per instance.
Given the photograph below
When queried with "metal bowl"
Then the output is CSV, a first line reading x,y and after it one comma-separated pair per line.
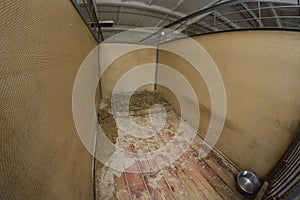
x,y
248,182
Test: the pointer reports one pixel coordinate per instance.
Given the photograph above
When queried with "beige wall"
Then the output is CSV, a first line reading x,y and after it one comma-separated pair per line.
x,y
42,44
261,72
116,59
85,100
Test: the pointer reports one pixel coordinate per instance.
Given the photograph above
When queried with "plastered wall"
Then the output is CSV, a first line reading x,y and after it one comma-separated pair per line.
x,y
260,70
116,59
42,45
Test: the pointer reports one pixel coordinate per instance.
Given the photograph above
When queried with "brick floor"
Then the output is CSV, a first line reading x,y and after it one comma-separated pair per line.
x,y
163,163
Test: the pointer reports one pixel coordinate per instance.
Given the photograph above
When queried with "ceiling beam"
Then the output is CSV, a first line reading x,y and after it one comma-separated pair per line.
x,y
161,21
141,19
195,19
173,9
118,28
150,2
274,12
177,5
281,1
226,20
139,5
206,26
252,14
182,27
119,15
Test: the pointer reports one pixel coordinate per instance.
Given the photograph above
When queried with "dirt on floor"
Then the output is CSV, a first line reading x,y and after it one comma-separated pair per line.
x,y
146,170
145,100
140,104
139,101
108,124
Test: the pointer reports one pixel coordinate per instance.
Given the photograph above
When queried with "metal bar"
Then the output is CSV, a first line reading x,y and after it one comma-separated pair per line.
x,y
283,17
250,11
255,9
177,5
282,174
224,19
287,179
87,10
206,10
203,11
156,65
298,1
150,2
198,18
289,186
259,14
141,19
94,13
132,13
173,9
294,155
274,12
204,26
76,5
194,20
246,13
141,6
191,19
93,17
287,170
214,12
163,19
293,147
242,20
119,14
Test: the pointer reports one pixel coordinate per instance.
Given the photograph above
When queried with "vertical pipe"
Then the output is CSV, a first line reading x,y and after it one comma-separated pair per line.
x,y
156,64
99,69
94,167
94,12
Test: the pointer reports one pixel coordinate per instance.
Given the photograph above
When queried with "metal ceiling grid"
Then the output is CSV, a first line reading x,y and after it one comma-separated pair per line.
x,y
128,14
124,15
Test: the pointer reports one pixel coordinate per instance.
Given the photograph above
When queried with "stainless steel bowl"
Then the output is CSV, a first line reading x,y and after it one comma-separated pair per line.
x,y
247,182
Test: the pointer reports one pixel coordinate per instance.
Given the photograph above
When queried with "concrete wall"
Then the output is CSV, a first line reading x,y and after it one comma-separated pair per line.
x,y
42,45
261,72
116,59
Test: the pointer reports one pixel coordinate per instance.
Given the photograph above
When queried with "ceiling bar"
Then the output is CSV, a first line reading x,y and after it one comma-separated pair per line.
x,y
205,26
225,19
197,18
177,5
134,13
209,9
140,5
118,28
274,12
246,15
173,9
119,15
150,2
126,28
194,17
141,19
163,19
252,14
